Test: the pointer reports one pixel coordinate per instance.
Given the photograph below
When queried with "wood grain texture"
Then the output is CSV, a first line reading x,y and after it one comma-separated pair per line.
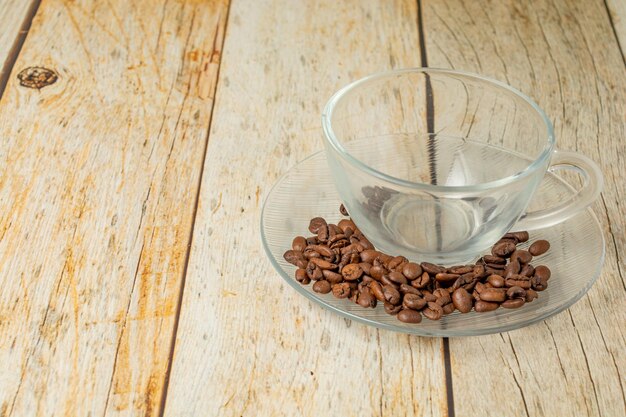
x,y
247,344
617,12
15,15
562,53
98,177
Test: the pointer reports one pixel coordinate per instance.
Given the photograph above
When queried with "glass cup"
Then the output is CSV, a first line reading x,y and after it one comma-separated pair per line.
x,y
437,165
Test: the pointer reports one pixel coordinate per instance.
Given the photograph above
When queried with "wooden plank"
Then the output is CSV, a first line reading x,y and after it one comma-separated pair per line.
x,y
15,17
100,172
247,344
564,54
617,13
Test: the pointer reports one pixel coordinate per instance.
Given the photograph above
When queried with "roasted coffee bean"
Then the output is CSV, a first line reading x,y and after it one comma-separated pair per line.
x,y
448,309
503,248
433,311
301,275
337,238
351,272
333,229
397,277
531,295
512,282
322,286
483,306
539,247
311,240
432,269
409,316
377,272
422,281
377,291
341,290
310,254
366,243
496,295
521,256
396,261
322,234
538,283
512,268
496,281
407,289
527,270
479,271
443,296
293,256
366,267
412,271
513,303
475,295
480,287
386,281
366,279
445,277
413,301
492,259
345,224
343,211
461,269
462,300
323,264
543,272
499,267
366,298
392,295
299,243
332,277
491,271
518,236
313,271
392,309
316,224
516,292
369,255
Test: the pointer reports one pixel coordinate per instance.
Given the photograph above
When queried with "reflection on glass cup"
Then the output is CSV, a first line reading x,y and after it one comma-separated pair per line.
x,y
437,165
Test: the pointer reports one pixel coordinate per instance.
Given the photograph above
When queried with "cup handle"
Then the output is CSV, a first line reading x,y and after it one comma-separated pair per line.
x,y
592,186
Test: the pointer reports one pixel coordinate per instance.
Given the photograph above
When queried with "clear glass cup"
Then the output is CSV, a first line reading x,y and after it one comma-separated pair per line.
x,y
437,165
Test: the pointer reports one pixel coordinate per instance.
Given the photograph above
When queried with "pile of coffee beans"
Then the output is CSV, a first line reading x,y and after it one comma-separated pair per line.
x,y
341,260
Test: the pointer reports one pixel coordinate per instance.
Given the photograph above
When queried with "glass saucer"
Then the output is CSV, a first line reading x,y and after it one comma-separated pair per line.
x,y
575,257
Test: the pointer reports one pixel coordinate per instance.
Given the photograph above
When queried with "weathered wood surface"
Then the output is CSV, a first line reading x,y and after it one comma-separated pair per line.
x,y
617,12
248,344
564,55
98,177
15,15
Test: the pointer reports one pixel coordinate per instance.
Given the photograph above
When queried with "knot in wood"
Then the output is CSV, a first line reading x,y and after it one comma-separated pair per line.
x,y
37,77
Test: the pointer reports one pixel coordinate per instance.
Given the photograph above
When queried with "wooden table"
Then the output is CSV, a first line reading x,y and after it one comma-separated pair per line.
x,y
132,278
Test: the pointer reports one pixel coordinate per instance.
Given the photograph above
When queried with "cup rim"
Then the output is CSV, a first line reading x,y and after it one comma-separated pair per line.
x,y
332,140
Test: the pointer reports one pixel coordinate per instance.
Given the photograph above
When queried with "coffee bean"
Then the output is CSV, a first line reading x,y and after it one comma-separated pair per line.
x,y
527,270
396,261
491,259
409,316
516,292
503,248
512,268
496,295
521,256
518,236
479,271
392,309
366,298
316,223
322,250
351,272
433,312
386,281
313,271
531,295
366,243
461,269
539,247
299,243
539,283
301,275
377,291
412,271
341,290
513,282
499,267
432,269
343,210
366,267
322,286
345,224
422,281
377,272
496,281
311,240
322,234
293,256
448,309
443,296
428,296
322,264
407,289
543,272
332,277
397,277
392,295
462,300
484,306
369,255
413,301
491,271
513,303
445,277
